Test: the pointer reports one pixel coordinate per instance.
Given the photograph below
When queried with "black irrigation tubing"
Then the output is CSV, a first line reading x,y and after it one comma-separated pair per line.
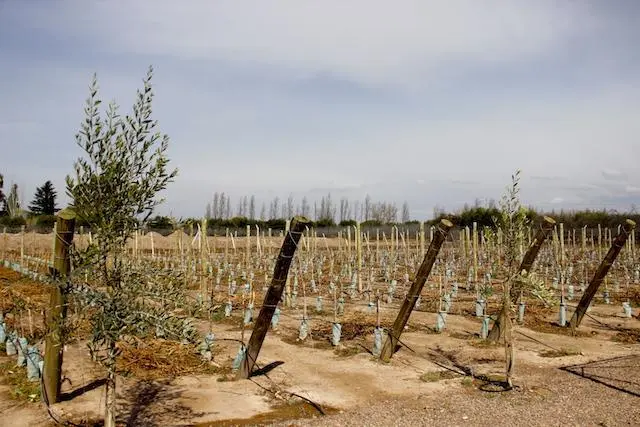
x,y
536,340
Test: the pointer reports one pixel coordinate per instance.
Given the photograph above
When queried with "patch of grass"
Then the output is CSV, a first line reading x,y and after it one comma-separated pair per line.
x,y
459,335
560,352
542,325
467,382
347,350
435,376
480,343
20,388
496,378
627,336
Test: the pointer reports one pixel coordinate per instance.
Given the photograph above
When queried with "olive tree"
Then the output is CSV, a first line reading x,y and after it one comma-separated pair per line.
x,y
115,189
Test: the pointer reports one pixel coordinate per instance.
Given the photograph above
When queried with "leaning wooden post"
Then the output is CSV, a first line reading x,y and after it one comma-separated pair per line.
x,y
416,288
273,295
601,272
52,371
526,264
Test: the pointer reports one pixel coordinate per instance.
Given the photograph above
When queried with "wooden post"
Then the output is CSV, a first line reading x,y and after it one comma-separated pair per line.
x,y
601,272
22,227
4,243
359,255
414,292
422,236
475,251
52,371
273,295
526,264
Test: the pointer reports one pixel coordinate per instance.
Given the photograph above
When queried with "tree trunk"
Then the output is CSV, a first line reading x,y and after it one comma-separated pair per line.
x,y
110,399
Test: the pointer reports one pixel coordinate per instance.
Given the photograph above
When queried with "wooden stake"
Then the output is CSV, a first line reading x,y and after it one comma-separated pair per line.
x,y
601,272
409,302
359,254
22,243
4,242
526,265
273,295
52,371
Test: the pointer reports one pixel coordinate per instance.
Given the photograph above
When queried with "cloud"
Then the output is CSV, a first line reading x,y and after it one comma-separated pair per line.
x,y
632,189
549,179
371,42
613,175
430,102
557,200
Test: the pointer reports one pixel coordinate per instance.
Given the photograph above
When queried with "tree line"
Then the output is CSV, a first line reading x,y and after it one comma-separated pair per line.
x,y
485,216
42,208
325,211
221,213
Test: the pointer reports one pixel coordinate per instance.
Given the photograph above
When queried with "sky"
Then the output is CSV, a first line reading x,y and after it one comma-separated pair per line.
x,y
432,102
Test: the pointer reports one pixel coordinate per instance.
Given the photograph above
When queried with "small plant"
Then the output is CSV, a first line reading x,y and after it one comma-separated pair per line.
x,y
115,190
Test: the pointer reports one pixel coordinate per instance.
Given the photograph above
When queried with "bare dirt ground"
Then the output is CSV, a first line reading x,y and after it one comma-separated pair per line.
x,y
447,378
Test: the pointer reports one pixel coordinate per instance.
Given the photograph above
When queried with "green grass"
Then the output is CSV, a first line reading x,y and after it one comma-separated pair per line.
x,y
435,376
20,388
561,352
467,382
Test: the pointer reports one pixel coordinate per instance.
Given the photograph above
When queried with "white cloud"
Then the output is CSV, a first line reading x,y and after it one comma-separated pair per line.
x,y
373,42
613,175
632,189
280,99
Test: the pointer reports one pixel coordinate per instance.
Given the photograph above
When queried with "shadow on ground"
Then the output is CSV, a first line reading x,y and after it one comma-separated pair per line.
x,y
153,403
615,373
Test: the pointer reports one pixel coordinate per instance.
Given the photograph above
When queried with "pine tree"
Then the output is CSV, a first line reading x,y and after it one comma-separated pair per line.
x,y
44,201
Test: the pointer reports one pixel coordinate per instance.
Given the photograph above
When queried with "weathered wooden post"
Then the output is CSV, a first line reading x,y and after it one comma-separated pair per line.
x,y
52,371
22,228
414,292
526,264
601,272
273,295
4,243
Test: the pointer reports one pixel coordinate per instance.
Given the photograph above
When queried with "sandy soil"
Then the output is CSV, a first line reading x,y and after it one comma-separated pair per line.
x,y
354,388
447,378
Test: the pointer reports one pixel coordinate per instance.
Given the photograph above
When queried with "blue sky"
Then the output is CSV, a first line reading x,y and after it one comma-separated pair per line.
x,y
432,102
